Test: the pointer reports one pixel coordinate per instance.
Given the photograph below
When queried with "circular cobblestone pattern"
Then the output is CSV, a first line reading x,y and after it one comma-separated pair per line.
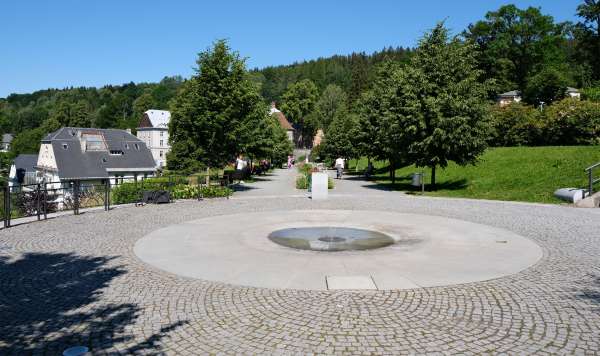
x,y
75,280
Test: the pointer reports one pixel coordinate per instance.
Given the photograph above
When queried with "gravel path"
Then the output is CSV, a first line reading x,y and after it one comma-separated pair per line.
x,y
75,280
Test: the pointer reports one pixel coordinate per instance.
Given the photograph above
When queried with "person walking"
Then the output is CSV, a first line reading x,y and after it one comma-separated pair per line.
x,y
339,166
240,168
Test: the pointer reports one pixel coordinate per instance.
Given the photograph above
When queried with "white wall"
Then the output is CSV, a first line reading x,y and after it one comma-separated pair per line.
x,y
157,140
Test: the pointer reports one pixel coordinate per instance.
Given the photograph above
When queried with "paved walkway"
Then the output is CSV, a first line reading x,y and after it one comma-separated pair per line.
x,y
75,280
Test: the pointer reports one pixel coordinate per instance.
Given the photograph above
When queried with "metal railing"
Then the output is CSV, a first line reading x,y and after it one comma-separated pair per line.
x,y
41,199
591,181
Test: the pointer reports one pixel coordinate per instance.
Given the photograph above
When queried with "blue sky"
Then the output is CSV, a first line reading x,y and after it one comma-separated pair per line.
x,y
56,43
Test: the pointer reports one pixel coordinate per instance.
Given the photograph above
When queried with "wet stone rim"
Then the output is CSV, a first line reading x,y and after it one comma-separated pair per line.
x,y
330,238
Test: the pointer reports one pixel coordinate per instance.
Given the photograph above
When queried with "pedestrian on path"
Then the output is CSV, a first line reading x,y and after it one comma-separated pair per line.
x,y
339,166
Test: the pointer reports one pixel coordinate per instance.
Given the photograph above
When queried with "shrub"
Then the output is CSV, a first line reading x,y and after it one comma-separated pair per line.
x,y
302,182
591,94
126,193
515,125
572,122
216,192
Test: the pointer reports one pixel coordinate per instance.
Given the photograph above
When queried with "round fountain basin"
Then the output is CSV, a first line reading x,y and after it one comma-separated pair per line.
x,y
330,239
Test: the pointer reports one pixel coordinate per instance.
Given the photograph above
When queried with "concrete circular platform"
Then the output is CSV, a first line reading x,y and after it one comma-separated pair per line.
x,y
429,251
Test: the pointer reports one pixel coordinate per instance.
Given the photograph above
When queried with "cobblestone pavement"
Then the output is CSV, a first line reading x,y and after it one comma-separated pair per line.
x,y
75,280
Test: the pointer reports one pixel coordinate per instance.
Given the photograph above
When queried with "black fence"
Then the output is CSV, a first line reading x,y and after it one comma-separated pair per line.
x,y
39,200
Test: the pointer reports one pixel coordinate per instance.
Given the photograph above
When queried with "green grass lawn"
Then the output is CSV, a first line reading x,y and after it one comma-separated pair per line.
x,y
530,174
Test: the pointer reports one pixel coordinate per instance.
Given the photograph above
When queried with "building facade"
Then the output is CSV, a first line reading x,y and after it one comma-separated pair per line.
x,y
153,129
92,155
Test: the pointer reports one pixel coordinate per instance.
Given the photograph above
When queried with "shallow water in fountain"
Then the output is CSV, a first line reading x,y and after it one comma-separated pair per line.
x,y
328,238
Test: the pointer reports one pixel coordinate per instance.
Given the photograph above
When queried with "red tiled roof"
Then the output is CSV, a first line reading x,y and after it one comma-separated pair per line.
x,y
283,121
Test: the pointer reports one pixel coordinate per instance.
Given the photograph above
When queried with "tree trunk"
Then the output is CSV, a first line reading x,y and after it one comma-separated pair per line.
x,y
433,177
207,176
393,172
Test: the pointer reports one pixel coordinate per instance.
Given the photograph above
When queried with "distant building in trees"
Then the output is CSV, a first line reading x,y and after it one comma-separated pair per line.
x,y
508,98
573,93
318,138
283,121
153,129
6,141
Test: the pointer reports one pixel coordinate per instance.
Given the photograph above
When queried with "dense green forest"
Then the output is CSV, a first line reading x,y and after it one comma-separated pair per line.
x,y
516,49
353,73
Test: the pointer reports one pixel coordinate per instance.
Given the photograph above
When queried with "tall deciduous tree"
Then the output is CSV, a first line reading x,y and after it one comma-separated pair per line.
x,y
442,93
587,34
387,119
214,113
340,137
547,86
142,104
298,104
331,103
514,42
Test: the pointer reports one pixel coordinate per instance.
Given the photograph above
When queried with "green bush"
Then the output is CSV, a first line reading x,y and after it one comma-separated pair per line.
x,y
302,182
572,122
305,168
567,122
515,125
591,94
131,192
184,191
126,193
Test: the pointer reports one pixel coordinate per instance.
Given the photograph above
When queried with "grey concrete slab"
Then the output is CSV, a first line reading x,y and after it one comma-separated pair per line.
x,y
350,283
429,250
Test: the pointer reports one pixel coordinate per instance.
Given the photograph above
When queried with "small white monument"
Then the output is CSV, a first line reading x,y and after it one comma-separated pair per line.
x,y
319,185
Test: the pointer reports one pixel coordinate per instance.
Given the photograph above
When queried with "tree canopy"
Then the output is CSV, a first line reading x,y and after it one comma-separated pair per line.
x,y
217,114
298,104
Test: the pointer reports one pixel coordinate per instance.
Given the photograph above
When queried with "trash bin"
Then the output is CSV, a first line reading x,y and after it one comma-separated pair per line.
x,y
417,179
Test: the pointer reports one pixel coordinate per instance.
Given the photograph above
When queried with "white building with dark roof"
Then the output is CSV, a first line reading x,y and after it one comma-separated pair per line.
x,y
72,153
513,96
573,93
153,129
6,142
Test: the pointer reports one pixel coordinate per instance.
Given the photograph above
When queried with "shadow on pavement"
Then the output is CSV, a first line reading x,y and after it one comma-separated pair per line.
x,y
51,301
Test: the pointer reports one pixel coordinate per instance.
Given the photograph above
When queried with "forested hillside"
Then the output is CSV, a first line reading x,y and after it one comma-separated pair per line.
x,y
353,73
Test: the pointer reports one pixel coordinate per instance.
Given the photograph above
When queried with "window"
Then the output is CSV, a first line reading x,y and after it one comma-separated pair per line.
x,y
160,154
65,146
161,143
104,160
126,146
94,141
161,134
137,147
117,152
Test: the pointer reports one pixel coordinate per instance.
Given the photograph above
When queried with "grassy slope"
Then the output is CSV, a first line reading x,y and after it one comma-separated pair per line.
x,y
529,174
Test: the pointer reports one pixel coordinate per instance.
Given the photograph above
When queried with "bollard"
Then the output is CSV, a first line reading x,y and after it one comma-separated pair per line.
x,y
38,196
